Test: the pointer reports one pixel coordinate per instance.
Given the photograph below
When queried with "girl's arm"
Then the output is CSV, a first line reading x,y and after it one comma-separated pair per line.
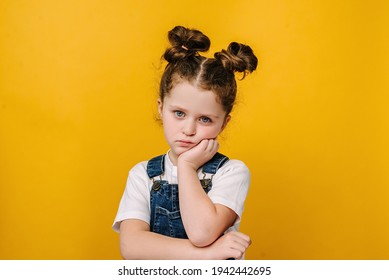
x,y
204,221
137,242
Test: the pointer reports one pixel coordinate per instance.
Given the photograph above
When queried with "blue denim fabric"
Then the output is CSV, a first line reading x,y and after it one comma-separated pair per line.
x,y
165,217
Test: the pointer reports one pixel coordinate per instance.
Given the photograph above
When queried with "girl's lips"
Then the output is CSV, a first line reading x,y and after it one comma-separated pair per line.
x,y
184,143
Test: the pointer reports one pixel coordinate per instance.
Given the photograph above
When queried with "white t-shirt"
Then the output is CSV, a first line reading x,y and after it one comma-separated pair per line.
x,y
230,185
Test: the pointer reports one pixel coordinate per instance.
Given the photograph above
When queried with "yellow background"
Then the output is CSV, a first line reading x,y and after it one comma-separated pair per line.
x,y
78,85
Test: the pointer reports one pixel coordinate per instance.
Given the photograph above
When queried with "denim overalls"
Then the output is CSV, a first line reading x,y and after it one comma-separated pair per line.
x,y
165,215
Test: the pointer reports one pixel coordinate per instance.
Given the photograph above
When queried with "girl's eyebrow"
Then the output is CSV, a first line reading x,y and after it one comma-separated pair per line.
x,y
210,116
176,107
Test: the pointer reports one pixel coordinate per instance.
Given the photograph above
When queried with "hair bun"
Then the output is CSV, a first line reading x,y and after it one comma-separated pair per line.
x,y
238,58
185,43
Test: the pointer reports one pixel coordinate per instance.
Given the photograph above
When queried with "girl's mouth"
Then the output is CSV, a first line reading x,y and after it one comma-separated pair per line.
x,y
184,143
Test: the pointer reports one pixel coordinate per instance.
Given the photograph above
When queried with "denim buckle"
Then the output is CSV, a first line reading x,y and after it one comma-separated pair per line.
x,y
205,183
156,185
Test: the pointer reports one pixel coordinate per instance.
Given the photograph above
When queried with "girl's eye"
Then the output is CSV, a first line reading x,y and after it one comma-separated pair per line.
x,y
205,120
179,114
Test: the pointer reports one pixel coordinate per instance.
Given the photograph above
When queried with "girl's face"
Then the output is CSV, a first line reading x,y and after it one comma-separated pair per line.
x,y
189,115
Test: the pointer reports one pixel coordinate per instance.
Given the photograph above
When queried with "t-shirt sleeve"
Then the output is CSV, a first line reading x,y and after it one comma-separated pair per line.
x,y
230,186
134,203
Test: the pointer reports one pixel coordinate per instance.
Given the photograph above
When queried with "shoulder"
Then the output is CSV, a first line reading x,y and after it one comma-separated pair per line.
x,y
138,171
138,168
233,170
137,177
234,166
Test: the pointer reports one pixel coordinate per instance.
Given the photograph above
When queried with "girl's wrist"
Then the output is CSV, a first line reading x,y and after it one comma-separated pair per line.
x,y
187,165
203,253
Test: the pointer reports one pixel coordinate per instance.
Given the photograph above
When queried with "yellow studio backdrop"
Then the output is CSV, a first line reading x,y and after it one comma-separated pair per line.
x,y
78,87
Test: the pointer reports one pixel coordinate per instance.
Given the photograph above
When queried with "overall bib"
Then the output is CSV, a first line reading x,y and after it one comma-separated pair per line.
x,y
164,205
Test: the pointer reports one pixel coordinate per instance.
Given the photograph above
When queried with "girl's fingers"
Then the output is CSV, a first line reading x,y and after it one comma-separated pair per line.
x,y
205,144
240,235
212,145
241,244
239,247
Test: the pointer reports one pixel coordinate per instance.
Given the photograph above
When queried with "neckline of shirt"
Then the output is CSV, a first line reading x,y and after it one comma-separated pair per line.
x,y
169,164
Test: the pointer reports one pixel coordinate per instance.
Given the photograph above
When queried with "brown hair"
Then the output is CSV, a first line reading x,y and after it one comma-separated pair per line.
x,y
215,74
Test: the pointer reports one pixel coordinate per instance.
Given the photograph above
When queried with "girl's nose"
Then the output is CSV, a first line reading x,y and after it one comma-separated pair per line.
x,y
189,128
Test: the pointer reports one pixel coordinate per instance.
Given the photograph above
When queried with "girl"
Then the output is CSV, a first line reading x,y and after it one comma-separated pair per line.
x,y
187,204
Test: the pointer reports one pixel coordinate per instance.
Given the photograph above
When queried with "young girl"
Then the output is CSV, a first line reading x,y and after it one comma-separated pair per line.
x,y
187,204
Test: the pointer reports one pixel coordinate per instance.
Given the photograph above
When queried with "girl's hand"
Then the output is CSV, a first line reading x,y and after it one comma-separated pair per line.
x,y
230,245
199,154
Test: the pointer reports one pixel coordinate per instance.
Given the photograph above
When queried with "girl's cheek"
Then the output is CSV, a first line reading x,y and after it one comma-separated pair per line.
x,y
212,134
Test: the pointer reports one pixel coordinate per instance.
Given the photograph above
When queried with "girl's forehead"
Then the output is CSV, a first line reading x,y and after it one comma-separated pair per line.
x,y
189,96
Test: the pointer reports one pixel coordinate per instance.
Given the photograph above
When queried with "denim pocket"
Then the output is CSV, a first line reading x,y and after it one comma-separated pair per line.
x,y
168,223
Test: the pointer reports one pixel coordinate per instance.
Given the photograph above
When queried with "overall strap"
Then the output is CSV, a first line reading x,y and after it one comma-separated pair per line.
x,y
156,166
215,163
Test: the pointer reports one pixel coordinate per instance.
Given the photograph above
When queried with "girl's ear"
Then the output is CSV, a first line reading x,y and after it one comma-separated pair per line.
x,y
228,118
160,106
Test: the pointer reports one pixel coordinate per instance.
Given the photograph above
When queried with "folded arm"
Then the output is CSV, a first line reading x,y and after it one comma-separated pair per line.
x,y
137,242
